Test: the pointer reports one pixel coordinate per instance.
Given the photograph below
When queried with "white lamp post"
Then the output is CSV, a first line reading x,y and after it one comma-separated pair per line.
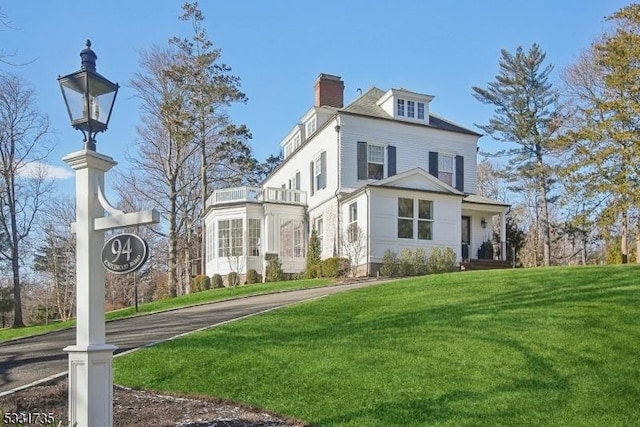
x,y
89,98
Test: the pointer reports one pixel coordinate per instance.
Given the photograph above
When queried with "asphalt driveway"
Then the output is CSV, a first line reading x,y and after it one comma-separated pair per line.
x,y
33,359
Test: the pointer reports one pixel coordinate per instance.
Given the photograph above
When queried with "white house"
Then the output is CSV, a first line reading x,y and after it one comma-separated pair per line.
x,y
380,173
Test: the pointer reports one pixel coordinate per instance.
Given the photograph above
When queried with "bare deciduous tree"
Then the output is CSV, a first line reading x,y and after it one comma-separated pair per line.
x,y
23,189
56,256
354,245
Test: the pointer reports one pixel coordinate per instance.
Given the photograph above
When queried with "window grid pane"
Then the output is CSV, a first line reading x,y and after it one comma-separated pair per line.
x,y
425,230
421,110
445,163
405,208
405,228
375,154
425,208
400,107
410,109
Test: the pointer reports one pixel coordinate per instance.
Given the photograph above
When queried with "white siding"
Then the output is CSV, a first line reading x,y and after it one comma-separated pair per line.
x,y
330,239
325,139
384,222
412,142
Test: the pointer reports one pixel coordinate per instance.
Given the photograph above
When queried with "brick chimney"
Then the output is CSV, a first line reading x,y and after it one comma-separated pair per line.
x,y
329,91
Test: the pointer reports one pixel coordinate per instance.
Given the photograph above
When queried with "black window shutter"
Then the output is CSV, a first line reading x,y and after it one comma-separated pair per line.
x,y
323,170
362,160
460,173
433,163
312,177
391,157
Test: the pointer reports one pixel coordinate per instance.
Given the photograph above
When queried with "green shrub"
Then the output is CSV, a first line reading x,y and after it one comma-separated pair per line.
x,y
274,271
312,272
389,267
441,260
335,267
406,262
216,281
200,283
233,279
253,276
486,250
419,262
313,256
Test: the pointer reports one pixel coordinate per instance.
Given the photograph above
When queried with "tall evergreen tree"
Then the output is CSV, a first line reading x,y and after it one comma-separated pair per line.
x,y
525,114
210,89
604,137
313,255
188,145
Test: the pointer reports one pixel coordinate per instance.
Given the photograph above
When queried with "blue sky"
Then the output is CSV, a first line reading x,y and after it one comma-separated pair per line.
x,y
278,48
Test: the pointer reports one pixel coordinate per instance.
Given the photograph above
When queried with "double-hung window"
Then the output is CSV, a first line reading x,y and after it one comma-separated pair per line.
x,y
425,220
319,231
405,218
375,161
352,228
421,110
445,168
254,237
311,126
411,109
400,107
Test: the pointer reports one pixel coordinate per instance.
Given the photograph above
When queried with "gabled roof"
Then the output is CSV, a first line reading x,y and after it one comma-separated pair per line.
x,y
366,105
417,179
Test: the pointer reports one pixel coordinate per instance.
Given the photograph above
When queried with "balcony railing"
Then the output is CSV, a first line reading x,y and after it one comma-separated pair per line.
x,y
256,194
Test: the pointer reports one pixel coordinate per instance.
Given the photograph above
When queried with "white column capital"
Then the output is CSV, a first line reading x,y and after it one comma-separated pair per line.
x,y
84,159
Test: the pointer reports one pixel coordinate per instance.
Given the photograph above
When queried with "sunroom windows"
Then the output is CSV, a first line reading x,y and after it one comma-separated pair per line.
x,y
230,241
291,239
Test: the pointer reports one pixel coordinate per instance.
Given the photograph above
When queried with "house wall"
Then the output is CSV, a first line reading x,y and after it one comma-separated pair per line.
x,y
360,247
384,223
412,142
270,215
274,214
325,139
330,237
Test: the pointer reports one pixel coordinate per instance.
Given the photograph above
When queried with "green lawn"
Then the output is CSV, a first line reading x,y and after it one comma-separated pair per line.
x,y
172,303
556,346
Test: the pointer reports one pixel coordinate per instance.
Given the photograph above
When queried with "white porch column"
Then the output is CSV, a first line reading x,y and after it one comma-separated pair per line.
x,y
503,236
90,379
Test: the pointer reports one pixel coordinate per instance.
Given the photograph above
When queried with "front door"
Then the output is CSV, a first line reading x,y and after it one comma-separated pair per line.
x,y
466,236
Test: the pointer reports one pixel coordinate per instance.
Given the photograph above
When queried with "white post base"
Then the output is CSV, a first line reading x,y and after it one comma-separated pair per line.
x,y
90,385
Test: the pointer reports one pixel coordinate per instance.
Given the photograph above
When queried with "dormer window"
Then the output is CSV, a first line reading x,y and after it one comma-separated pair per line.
x,y
405,105
411,109
421,110
311,126
400,110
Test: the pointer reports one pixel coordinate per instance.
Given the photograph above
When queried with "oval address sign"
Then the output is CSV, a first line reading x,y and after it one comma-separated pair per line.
x,y
124,253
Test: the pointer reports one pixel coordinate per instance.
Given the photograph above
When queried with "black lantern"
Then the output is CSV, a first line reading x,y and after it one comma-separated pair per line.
x,y
89,98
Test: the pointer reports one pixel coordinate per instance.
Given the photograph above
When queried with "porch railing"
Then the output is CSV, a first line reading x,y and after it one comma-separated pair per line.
x,y
257,194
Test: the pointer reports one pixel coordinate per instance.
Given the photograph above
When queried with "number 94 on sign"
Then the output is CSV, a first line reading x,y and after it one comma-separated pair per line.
x,y
124,253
